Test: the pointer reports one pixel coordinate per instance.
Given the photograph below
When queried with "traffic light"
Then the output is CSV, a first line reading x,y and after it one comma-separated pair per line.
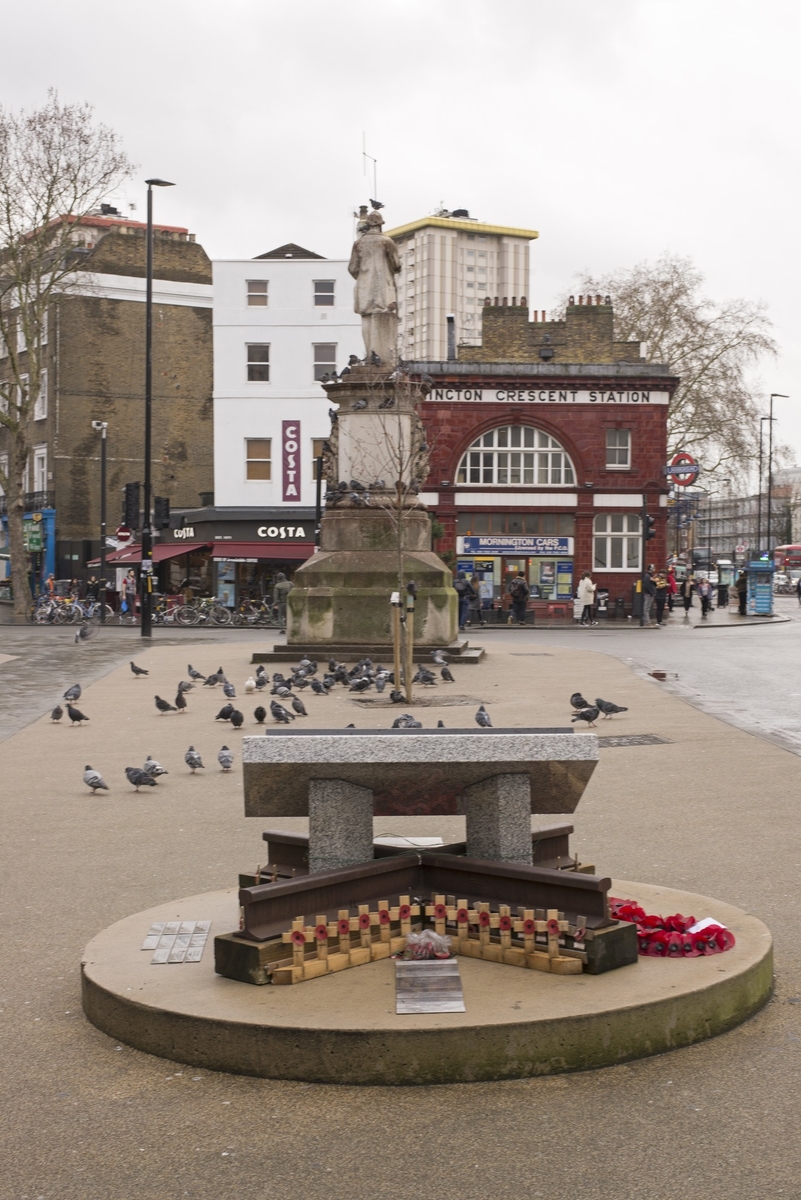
x,y
130,512
161,512
650,527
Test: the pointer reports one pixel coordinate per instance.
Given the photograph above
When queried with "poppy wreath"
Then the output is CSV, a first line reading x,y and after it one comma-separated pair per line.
x,y
671,937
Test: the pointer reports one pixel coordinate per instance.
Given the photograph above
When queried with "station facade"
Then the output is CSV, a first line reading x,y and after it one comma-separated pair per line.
x,y
546,441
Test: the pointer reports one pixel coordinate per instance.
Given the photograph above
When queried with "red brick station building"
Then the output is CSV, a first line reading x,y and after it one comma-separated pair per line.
x,y
545,440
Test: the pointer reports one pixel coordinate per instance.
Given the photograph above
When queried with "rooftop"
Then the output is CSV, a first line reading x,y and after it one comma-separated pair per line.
x,y
290,250
466,225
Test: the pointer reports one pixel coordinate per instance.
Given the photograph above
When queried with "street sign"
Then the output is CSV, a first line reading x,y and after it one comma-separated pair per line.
x,y
739,549
682,469
123,535
33,537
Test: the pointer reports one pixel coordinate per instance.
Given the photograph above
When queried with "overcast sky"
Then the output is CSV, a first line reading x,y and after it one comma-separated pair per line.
x,y
619,129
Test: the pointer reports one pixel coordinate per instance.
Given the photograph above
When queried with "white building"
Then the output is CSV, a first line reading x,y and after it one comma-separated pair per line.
x,y
450,263
282,322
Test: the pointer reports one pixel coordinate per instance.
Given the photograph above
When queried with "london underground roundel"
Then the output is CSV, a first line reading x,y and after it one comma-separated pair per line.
x,y
683,469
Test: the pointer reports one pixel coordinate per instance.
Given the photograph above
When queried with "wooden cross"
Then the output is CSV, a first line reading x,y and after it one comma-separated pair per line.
x,y
384,919
404,913
439,911
297,937
460,913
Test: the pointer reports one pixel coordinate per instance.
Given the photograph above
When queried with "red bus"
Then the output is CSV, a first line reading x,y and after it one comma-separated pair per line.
x,y
787,558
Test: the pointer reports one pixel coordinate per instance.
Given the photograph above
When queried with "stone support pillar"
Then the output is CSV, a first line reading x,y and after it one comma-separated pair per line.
x,y
498,812
340,824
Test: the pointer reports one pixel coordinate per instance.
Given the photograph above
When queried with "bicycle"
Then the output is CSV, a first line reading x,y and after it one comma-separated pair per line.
x,y
201,610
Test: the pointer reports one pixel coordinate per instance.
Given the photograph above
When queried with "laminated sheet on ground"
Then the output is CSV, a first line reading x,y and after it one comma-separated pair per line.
x,y
428,986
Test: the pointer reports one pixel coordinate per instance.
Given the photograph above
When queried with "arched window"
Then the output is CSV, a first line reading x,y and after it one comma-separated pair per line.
x,y
516,454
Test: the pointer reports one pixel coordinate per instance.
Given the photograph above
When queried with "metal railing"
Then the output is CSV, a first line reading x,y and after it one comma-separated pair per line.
x,y
34,502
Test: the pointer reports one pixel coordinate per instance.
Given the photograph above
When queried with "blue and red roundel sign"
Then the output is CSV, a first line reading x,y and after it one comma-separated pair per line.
x,y
683,469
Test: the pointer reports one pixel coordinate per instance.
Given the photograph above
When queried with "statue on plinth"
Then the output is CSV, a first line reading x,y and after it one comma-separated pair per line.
x,y
374,263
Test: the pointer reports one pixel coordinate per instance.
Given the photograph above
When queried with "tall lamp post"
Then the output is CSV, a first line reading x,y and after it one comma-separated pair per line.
x,y
102,428
762,420
773,396
146,580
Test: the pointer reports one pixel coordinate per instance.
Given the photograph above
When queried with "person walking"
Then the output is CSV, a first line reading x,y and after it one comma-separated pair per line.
x,y
741,587
648,593
474,605
585,594
92,589
705,590
519,592
673,587
485,595
686,593
281,590
462,589
798,588
129,594
661,595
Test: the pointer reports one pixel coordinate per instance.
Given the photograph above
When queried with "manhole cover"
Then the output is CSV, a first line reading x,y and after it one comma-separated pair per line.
x,y
430,700
635,739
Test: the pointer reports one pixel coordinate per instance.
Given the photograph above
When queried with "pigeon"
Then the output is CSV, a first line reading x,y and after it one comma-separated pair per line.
x,y
446,675
229,690
578,701
154,768
93,779
358,405
237,719
318,688
261,682
376,204
211,680
396,697
440,724
406,721
299,706
225,713
183,686
193,674
587,714
192,759
225,758
360,685
380,683
250,684
439,658
353,360
375,359
138,670
73,693
83,634
280,714
334,415
260,714
388,403
75,715
57,713
180,701
608,708
139,778
351,726
483,718
164,706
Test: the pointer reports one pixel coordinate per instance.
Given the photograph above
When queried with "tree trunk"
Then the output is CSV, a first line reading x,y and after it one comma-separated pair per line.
x,y
16,538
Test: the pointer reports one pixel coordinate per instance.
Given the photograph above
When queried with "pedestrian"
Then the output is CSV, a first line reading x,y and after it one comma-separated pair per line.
x,y
485,595
50,586
661,596
92,588
648,592
281,590
673,587
705,590
798,588
462,588
586,596
474,607
74,592
686,593
519,592
129,594
741,587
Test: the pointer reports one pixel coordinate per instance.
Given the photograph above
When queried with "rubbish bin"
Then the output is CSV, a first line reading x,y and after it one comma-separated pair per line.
x,y
636,599
620,608
602,602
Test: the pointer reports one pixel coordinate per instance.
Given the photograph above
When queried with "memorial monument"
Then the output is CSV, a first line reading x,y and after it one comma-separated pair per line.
x,y
375,535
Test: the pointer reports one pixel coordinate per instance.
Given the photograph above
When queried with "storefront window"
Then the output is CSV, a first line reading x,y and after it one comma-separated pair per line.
x,y
617,542
516,455
529,524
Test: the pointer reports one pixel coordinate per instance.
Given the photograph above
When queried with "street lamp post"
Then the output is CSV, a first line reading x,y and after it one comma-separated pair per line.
x,y
102,427
146,580
762,420
773,396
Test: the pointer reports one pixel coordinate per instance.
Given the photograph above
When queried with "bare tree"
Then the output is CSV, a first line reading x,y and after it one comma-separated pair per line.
x,y
56,166
715,410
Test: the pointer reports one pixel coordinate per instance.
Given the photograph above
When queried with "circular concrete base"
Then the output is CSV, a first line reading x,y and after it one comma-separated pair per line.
x,y
342,1028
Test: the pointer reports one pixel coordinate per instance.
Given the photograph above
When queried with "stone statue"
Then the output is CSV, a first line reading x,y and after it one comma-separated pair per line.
x,y
374,263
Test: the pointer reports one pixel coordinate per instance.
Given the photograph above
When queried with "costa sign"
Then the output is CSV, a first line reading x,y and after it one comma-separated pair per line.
x,y
682,469
290,450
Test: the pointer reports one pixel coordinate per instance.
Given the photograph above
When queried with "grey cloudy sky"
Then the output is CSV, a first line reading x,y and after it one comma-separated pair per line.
x,y
620,129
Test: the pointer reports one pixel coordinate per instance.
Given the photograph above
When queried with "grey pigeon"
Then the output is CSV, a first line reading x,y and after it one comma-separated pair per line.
x,y
73,693
138,670
359,405
388,402
57,713
446,675
360,685
192,759
237,719
280,714
211,680
439,658
397,697
183,686
578,701
260,713
440,724
139,778
83,634
93,779
229,690
180,701
299,706
483,718
75,715
225,758
380,683
406,721
318,688
375,359
164,706
225,713
587,714
261,682
154,768
193,674
608,708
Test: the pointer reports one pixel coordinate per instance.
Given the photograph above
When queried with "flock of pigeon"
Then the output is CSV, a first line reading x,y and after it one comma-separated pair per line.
x,y
584,711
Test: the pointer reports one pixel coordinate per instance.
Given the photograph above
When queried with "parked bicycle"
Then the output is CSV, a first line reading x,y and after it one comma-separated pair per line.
x,y
201,611
251,613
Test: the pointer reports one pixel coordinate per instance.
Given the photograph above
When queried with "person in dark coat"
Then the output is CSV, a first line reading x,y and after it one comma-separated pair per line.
x,y
519,592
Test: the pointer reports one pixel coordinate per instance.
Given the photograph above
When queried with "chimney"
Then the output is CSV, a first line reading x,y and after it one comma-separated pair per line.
x,y
451,319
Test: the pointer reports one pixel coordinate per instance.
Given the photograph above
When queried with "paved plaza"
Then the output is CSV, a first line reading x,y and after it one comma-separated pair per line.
x,y
711,811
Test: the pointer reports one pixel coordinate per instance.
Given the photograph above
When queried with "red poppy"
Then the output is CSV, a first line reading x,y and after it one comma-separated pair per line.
x,y
553,927
725,939
383,916
343,926
321,933
505,922
484,919
657,944
462,916
689,947
699,942
364,920
529,927
440,912
298,938
404,912
675,945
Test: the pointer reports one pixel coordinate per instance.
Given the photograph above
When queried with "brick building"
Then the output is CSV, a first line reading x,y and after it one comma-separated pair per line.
x,y
94,369
545,441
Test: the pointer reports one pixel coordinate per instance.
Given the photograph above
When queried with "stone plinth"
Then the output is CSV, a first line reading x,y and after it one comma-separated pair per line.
x,y
498,818
340,824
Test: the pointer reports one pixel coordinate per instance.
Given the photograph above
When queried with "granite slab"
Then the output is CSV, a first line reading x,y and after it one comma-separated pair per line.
x,y
414,772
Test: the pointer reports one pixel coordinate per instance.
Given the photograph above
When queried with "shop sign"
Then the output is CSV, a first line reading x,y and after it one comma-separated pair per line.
x,y
521,394
290,450
530,547
282,532
187,533
32,533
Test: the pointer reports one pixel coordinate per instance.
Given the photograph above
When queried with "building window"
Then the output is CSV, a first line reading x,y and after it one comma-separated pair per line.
x,y
317,453
40,468
5,392
618,448
257,293
259,458
43,330
259,363
4,469
324,293
515,455
526,524
40,404
617,542
325,359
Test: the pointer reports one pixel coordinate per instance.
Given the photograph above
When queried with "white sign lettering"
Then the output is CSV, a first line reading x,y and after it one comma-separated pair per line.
x,y
281,531
564,396
187,532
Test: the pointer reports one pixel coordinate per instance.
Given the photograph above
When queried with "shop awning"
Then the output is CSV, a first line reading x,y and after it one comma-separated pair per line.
x,y
264,551
133,554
